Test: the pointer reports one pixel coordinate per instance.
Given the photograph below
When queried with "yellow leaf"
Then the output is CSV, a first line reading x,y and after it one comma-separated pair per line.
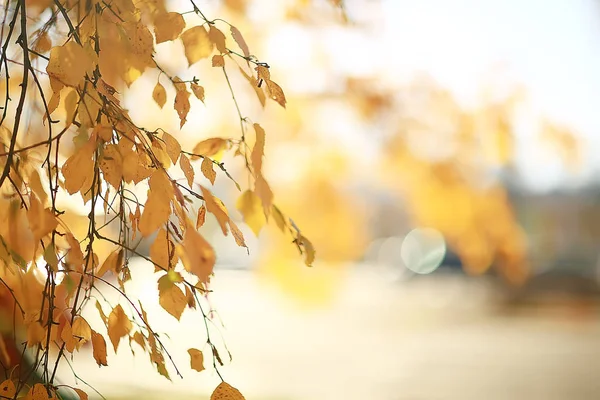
x,y
35,183
75,255
111,164
239,39
173,147
196,360
263,190
196,44
276,93
263,73
237,234
37,392
44,44
81,331
162,250
69,64
82,395
258,150
113,263
158,206
119,325
309,250
198,91
159,94
201,216
182,101
191,301
218,61
78,170
104,132
41,221
188,170
215,206
8,389
226,392
218,38
207,169
250,206
259,92
170,296
99,348
278,217
168,26
198,256
67,337
35,334
209,147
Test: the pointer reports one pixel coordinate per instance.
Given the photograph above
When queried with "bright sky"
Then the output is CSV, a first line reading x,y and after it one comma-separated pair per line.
x,y
551,46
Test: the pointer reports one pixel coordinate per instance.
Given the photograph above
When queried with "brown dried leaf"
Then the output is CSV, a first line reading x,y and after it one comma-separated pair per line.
x,y
226,392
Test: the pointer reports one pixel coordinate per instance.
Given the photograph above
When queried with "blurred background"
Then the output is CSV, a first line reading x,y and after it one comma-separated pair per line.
x,y
441,156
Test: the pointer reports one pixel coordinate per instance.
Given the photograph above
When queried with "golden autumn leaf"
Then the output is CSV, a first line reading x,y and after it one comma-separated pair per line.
x,y
37,392
207,170
182,101
159,94
226,392
170,296
99,348
43,44
35,334
309,250
168,26
162,250
78,170
158,206
258,150
197,254
35,183
8,389
81,331
276,93
239,39
201,216
263,190
82,395
251,208
209,147
196,359
119,325
188,170
237,234
218,61
215,206
279,218
111,164
41,220
198,91
113,263
173,147
218,38
196,44
69,64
